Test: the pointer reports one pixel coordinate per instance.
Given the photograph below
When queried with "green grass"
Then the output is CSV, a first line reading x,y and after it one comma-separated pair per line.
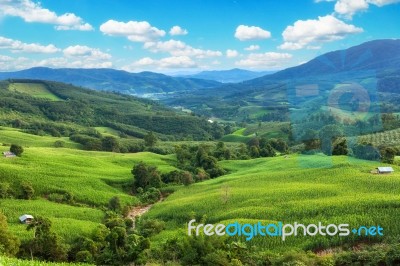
x,y
108,131
278,189
68,221
16,136
91,177
4,261
85,174
34,89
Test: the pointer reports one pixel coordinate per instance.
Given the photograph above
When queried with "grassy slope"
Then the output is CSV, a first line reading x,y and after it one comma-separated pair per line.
x,y
92,177
277,189
34,89
16,262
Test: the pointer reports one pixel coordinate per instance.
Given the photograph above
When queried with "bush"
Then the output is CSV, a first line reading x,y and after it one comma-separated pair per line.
x,y
59,144
27,191
16,149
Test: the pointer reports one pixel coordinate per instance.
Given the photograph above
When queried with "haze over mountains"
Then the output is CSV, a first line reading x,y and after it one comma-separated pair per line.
x,y
371,57
114,80
229,76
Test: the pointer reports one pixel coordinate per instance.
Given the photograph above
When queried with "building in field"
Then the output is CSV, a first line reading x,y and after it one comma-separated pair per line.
x,y
8,154
26,219
384,170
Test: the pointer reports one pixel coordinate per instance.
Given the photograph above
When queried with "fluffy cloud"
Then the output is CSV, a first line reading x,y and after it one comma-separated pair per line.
x,y
30,11
85,51
179,48
264,60
347,8
176,30
231,53
323,29
8,63
164,63
135,31
252,48
16,46
247,33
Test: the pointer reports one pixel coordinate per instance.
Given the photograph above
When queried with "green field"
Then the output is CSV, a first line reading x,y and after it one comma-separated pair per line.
x,y
4,261
278,189
91,177
34,89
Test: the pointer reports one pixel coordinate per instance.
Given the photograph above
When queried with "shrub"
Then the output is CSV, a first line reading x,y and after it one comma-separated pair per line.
x,y
16,149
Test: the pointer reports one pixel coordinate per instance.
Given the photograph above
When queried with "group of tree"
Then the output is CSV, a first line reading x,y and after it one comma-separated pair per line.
x,y
22,190
263,147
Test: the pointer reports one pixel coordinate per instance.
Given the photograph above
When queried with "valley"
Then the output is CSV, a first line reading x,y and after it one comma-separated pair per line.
x,y
297,145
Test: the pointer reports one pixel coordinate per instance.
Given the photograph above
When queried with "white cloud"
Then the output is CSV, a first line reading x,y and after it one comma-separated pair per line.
x,y
164,63
231,53
179,48
135,31
252,48
247,33
270,60
30,11
62,62
87,52
176,30
347,8
16,46
323,29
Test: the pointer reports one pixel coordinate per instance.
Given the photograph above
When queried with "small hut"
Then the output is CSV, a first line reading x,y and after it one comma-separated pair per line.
x,y
385,170
26,218
8,154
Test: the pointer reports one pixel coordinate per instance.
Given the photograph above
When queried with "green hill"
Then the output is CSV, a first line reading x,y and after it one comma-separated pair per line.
x,y
279,189
61,109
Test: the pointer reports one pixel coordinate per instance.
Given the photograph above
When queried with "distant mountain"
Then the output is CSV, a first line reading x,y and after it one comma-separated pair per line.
x,y
374,64
374,55
114,80
229,76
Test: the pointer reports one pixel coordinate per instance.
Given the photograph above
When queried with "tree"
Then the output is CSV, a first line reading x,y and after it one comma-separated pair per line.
x,y
146,176
9,244
311,140
114,204
110,143
388,154
150,139
27,191
340,148
16,149
45,245
328,135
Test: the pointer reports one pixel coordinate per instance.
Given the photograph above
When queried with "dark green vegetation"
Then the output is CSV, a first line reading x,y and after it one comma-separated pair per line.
x,y
78,110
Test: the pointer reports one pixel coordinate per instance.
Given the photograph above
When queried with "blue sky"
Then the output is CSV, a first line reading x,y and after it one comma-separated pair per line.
x,y
172,36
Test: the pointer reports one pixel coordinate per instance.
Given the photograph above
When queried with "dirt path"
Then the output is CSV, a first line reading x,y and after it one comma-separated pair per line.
x,y
140,210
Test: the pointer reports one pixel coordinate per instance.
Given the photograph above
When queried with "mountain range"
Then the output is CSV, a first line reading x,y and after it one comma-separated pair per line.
x,y
229,76
141,84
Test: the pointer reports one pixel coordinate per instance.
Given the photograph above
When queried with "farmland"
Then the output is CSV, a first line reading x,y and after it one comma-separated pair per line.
x,y
277,189
34,89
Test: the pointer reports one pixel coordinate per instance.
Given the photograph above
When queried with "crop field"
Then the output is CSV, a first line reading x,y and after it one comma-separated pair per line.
x,y
278,189
237,136
68,221
108,131
34,89
92,177
16,262
390,137
16,136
